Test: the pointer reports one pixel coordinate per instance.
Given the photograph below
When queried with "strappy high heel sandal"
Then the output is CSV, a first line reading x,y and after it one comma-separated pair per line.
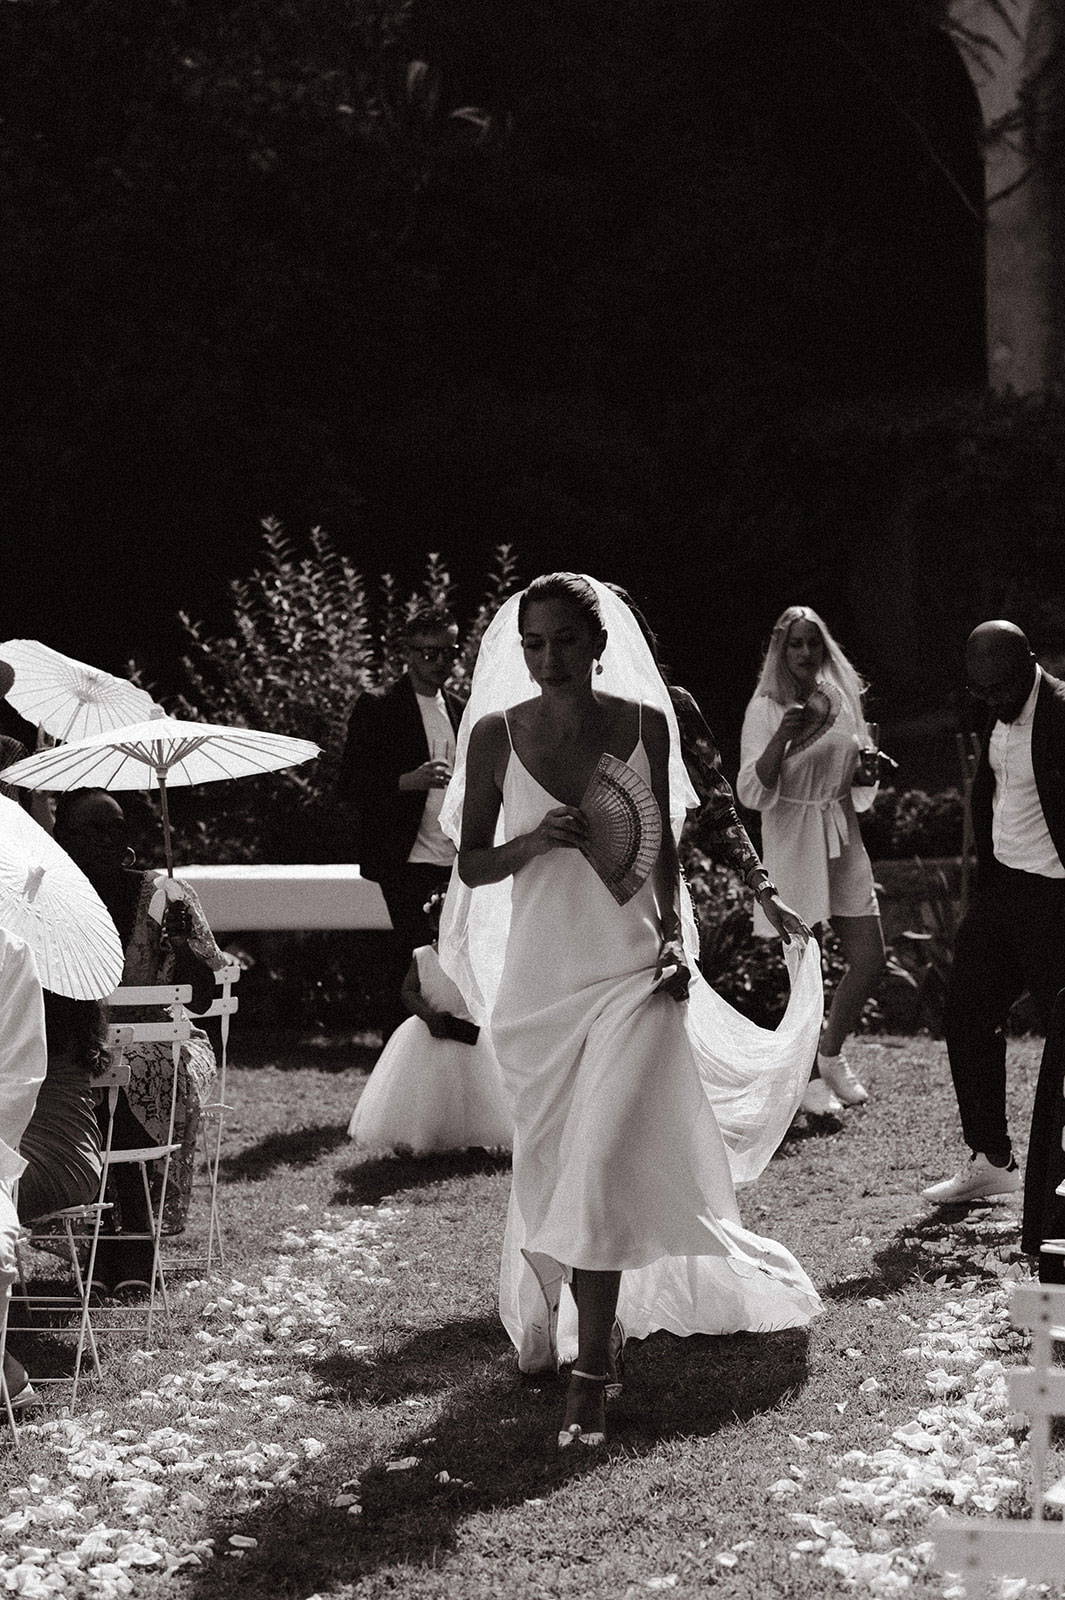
x,y
615,1361
574,1433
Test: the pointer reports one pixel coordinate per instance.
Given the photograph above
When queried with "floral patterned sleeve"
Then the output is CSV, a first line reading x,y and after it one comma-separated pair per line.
x,y
716,817
202,940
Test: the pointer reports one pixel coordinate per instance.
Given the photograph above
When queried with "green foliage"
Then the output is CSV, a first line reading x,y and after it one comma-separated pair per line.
x,y
910,823
749,972
308,638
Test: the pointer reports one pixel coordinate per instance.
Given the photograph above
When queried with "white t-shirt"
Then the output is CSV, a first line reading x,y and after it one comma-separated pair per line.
x,y
432,846
1019,833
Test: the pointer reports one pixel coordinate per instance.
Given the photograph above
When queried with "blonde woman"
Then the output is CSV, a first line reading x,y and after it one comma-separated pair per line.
x,y
808,767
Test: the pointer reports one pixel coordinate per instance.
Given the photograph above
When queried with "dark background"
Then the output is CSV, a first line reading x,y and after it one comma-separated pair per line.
x,y
686,294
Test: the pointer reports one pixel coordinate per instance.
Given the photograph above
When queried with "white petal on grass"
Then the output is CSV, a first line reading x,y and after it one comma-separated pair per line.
x,y
100,1508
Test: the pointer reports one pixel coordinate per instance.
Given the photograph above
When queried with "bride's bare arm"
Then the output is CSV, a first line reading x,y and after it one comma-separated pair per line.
x,y
481,861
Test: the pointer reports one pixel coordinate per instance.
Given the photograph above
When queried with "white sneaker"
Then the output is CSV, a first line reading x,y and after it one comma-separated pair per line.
x,y
841,1080
976,1180
819,1101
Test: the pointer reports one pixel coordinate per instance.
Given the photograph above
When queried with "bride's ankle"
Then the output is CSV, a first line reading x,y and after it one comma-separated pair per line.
x,y
586,1398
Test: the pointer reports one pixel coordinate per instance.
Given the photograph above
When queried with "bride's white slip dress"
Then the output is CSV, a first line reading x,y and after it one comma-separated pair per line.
x,y
619,1162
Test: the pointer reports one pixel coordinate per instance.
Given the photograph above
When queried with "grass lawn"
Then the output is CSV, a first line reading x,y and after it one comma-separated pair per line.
x,y
339,1410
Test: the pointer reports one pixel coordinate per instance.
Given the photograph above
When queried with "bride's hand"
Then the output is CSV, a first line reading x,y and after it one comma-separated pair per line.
x,y
672,974
564,827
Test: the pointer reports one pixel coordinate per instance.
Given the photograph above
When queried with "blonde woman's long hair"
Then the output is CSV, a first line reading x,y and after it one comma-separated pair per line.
x,y
776,681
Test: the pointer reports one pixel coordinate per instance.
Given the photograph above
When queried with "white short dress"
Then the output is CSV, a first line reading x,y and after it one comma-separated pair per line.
x,y
427,1094
811,844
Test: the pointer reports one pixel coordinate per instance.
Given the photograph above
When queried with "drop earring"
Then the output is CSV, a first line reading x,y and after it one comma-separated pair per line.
x,y
598,667
129,858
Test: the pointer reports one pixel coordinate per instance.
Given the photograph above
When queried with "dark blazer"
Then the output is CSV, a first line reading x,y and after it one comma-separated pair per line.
x,y
386,737
1048,763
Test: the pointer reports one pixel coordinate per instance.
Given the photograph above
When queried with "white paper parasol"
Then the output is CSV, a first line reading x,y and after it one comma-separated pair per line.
x,y
67,698
161,753
49,902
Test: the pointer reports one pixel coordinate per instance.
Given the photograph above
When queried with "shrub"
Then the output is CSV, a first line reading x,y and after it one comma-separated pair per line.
x,y
748,971
912,823
307,640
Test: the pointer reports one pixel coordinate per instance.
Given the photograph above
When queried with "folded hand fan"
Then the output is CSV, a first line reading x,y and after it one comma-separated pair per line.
x,y
624,827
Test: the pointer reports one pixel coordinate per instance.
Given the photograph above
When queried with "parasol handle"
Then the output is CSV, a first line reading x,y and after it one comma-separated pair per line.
x,y
168,848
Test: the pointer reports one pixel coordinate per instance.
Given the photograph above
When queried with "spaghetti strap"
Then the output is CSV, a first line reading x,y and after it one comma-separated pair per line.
x,y
506,719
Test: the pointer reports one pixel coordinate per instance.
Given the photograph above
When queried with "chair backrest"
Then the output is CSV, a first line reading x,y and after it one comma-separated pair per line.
x,y
115,1075
1039,1307
151,994
226,1004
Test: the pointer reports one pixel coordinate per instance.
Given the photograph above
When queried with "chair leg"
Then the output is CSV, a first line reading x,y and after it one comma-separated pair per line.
x,y
158,1277
214,1228
86,1335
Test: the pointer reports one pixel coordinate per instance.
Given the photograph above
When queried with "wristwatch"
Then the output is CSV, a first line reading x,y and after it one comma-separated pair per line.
x,y
765,886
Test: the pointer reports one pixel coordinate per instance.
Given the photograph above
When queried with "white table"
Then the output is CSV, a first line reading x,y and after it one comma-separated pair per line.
x,y
279,898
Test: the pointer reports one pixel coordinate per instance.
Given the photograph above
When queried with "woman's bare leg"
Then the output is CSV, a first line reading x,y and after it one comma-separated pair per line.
x,y
862,942
596,1294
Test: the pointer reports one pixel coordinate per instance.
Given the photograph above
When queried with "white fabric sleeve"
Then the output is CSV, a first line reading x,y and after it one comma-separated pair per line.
x,y
9,1232
863,795
761,721
23,1052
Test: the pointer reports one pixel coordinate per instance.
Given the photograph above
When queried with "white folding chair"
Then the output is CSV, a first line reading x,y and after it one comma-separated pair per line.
x,y
174,1030
981,1550
213,1111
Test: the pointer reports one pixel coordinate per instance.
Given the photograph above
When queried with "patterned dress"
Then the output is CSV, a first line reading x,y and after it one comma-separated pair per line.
x,y
149,960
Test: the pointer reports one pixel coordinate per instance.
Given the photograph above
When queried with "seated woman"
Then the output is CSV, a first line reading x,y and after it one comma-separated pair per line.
x,y
173,945
61,1144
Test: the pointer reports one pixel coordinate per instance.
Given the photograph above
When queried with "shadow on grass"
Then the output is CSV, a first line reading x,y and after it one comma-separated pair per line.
x,y
495,1442
300,1147
805,1128
365,1183
912,1256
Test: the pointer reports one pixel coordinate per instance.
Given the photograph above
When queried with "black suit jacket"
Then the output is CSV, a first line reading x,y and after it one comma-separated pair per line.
x,y
1048,763
386,737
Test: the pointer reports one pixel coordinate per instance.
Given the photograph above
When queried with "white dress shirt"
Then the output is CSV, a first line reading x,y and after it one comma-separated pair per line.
x,y
1019,833
432,846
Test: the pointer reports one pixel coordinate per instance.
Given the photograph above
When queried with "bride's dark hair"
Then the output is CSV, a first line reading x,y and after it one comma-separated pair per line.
x,y
568,586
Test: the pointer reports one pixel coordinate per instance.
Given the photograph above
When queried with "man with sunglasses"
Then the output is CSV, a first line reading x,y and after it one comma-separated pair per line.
x,y
397,761
1013,936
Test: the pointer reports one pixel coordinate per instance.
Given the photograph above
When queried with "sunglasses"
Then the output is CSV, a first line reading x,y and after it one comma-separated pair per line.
x,y
439,652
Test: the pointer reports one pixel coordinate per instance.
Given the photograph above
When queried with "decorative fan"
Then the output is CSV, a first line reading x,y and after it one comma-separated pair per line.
x,y
624,827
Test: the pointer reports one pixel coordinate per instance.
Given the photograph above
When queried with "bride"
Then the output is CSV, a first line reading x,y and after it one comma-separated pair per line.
x,y
623,1188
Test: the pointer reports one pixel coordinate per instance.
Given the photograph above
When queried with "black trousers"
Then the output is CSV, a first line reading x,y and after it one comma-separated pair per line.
x,y
405,890
1044,1171
1012,939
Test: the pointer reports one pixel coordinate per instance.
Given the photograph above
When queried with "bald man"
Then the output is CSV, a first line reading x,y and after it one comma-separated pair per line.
x,y
1013,936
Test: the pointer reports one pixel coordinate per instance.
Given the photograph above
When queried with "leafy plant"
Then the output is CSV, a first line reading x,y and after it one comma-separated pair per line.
x,y
748,971
907,823
927,953
307,640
